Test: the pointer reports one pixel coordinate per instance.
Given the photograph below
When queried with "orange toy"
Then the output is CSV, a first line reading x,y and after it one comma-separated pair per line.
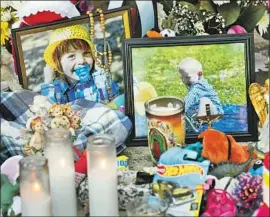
x,y
219,147
153,34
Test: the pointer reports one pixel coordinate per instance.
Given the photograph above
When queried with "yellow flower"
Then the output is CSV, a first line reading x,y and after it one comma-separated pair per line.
x,y
4,32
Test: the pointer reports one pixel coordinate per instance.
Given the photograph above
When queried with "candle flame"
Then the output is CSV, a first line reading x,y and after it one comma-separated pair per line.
x,y
103,164
62,162
36,187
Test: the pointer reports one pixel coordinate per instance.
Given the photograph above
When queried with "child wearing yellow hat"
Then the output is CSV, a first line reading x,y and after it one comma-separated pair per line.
x,y
70,55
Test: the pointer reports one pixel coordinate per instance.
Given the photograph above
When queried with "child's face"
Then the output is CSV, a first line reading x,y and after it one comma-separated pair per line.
x,y
57,112
189,78
38,127
186,78
74,58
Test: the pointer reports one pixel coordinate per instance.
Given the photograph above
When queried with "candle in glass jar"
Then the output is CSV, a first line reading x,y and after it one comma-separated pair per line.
x,y
102,176
58,150
34,186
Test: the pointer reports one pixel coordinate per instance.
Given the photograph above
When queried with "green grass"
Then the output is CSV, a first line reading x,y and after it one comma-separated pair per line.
x,y
158,66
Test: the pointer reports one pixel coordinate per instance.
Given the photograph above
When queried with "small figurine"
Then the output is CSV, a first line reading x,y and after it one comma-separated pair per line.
x,y
8,191
36,142
260,100
259,97
60,120
67,111
75,121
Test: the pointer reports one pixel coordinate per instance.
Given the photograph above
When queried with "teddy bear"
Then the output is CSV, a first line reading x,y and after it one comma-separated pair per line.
x,y
8,78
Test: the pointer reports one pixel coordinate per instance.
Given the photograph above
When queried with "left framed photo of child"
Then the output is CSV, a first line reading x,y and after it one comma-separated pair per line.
x,y
59,59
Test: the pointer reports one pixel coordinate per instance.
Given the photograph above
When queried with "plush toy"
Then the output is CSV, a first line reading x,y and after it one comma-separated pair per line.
x,y
7,76
8,191
219,148
198,148
153,34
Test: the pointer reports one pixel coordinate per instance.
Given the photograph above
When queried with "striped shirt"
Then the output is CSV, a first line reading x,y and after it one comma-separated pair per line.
x,y
60,91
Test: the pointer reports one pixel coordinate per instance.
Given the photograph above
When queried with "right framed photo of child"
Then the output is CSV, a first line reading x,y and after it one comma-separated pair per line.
x,y
210,73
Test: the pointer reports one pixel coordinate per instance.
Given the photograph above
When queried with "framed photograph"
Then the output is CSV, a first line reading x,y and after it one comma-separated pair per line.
x,y
218,68
30,43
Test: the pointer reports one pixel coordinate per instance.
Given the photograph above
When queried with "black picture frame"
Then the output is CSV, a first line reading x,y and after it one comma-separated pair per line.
x,y
19,34
248,43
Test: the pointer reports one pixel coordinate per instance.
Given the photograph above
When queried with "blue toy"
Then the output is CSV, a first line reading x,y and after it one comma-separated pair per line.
x,y
257,168
198,148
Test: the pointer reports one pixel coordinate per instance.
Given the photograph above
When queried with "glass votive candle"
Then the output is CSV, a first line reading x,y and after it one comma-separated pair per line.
x,y
147,206
34,186
58,150
102,175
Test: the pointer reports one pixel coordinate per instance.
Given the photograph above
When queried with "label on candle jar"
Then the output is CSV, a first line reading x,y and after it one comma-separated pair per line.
x,y
166,124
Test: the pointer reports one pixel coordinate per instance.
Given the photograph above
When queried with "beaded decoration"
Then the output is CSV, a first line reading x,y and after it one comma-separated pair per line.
x,y
102,59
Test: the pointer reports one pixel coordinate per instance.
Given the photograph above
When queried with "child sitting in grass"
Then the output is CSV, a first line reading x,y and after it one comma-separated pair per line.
x,y
191,73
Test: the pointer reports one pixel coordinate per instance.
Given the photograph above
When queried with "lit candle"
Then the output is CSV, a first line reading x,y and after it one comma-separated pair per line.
x,y
34,186
102,176
58,150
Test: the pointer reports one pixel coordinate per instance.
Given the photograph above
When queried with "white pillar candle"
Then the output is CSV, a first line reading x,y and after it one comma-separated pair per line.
x,y
34,186
102,176
35,202
58,150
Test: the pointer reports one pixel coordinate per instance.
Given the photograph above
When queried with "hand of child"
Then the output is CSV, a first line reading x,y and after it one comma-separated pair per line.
x,y
48,74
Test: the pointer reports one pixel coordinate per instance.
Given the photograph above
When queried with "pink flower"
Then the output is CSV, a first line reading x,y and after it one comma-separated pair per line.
x,y
236,29
268,5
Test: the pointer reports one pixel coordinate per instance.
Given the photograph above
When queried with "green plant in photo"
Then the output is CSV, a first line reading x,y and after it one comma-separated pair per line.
x,y
224,71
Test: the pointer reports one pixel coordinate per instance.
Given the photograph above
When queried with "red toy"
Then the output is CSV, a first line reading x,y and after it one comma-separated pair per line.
x,y
81,164
219,203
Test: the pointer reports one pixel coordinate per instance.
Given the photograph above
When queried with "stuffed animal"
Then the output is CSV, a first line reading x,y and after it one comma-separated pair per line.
x,y
8,191
219,147
7,76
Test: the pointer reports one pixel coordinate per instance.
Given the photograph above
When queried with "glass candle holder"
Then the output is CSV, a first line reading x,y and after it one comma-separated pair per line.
x,y
147,206
102,176
34,186
58,150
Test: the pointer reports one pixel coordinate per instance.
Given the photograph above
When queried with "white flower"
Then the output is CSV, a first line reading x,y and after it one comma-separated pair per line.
x,y
5,15
161,15
219,2
199,26
40,105
263,24
15,4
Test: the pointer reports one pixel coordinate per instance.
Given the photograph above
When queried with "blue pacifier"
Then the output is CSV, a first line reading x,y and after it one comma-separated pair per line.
x,y
83,72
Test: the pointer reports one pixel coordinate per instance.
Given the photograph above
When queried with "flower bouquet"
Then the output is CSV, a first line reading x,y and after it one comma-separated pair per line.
x,y
200,17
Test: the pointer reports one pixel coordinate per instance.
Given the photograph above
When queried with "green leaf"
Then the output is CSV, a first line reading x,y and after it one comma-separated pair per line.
x,y
190,6
230,12
251,16
208,5
167,5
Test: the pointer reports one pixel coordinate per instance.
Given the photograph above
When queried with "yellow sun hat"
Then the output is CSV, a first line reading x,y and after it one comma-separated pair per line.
x,y
65,33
